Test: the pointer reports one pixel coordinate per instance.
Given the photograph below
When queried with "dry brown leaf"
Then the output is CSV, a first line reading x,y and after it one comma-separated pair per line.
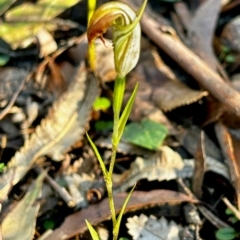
x,y
75,224
175,94
64,125
189,139
159,84
157,168
166,164
145,228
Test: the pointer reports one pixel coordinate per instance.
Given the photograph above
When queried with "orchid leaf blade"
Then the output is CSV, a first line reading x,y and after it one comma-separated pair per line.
x,y
126,112
92,231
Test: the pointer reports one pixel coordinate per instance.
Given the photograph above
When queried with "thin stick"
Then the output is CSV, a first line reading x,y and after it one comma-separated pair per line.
x,y
232,208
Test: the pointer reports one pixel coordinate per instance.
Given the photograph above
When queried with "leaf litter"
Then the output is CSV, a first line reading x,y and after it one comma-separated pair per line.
x,y
180,88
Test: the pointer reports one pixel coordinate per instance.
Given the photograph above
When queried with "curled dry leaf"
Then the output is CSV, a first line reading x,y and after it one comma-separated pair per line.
x,y
64,125
166,167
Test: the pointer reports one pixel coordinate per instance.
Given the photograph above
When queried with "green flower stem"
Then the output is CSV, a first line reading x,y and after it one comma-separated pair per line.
x,y
119,88
111,201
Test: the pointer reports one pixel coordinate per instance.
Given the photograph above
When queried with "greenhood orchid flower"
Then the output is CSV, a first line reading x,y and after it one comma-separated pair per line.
x,y
126,33
126,46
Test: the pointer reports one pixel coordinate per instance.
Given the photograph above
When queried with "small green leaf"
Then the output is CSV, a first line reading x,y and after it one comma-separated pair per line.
x,y
147,134
230,58
104,125
2,167
227,233
92,231
101,103
228,211
4,59
225,49
49,224
233,219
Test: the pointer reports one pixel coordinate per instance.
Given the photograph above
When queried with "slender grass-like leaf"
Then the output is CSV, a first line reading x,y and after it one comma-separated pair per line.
x,y
92,231
119,219
126,112
102,165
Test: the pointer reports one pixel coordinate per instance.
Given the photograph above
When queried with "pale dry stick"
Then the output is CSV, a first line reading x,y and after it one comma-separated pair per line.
x,y
232,208
13,99
61,191
191,63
